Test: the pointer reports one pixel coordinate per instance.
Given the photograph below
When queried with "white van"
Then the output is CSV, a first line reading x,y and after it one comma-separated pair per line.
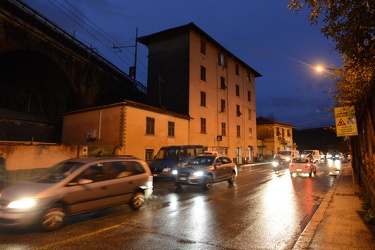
x,y
314,153
288,155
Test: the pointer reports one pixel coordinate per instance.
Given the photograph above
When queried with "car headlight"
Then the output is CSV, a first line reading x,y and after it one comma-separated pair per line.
x,y
287,159
174,172
199,173
23,203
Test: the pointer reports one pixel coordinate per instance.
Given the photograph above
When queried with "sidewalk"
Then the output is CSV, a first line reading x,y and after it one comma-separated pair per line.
x,y
337,224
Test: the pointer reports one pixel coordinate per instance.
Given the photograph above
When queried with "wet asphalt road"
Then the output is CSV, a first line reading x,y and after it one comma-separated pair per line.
x,y
263,210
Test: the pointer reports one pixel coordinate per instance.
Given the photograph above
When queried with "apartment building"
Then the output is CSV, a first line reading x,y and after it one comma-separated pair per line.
x,y
192,74
273,136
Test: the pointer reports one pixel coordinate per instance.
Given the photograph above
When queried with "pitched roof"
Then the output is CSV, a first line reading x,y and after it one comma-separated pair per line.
x,y
148,39
264,120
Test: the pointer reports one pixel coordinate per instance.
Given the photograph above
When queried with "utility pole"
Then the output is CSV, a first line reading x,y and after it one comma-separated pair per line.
x,y
132,69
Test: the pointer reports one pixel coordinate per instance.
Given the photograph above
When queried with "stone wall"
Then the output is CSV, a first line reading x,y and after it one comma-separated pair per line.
x,y
23,161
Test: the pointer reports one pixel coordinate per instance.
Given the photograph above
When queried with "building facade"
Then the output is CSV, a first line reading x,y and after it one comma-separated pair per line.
x,y
126,128
273,136
192,74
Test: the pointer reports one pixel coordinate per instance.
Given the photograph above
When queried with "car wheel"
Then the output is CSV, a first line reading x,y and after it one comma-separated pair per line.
x,y
207,183
53,218
137,200
232,178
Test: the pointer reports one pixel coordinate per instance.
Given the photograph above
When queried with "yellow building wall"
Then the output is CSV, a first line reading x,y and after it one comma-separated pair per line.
x,y
121,129
211,112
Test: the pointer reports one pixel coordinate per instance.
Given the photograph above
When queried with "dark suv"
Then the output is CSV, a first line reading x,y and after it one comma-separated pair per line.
x,y
204,170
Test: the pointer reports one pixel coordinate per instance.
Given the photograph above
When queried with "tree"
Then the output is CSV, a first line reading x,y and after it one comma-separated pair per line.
x,y
351,26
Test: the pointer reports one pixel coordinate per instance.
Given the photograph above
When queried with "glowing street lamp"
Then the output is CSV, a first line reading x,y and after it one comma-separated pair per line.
x,y
320,68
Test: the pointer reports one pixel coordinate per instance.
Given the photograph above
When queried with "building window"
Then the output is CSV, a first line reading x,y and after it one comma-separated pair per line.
x,y
171,129
237,90
238,131
278,131
288,133
222,60
250,133
237,69
203,125
203,47
150,126
248,76
238,111
249,95
249,114
222,83
223,128
282,132
203,99
222,105
203,73
149,155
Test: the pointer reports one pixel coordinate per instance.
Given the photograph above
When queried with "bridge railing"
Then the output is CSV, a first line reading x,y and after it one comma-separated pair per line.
x,y
29,15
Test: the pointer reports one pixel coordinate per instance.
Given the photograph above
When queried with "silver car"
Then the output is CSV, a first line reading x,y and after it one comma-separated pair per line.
x,y
75,186
204,170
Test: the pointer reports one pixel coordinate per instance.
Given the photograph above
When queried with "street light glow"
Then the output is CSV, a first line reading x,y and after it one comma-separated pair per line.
x,y
319,68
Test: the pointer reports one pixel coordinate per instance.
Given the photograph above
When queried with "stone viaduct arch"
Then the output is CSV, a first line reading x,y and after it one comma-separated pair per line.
x,y
47,72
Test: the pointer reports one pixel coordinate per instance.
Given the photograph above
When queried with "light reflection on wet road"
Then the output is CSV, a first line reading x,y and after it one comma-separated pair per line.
x,y
263,210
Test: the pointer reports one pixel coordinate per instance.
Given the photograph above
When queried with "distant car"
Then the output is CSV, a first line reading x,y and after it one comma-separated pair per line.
x,y
313,153
75,186
204,170
337,156
302,165
322,156
328,155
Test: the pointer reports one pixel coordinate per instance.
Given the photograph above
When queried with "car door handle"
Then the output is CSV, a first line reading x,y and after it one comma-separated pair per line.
x,y
104,187
130,182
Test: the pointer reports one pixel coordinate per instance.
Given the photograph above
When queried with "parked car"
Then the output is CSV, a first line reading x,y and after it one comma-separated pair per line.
x,y
303,165
75,186
204,170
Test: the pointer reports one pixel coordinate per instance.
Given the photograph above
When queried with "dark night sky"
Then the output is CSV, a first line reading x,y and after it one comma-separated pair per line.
x,y
281,45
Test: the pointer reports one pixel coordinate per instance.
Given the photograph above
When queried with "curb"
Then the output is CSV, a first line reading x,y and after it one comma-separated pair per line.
x,y
304,240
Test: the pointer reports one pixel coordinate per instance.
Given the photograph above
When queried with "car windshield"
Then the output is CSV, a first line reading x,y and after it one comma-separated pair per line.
x,y
58,172
167,153
300,160
306,152
284,153
202,160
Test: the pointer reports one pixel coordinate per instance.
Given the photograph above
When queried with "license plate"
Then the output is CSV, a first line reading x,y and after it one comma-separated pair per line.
x,y
155,175
299,169
183,178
